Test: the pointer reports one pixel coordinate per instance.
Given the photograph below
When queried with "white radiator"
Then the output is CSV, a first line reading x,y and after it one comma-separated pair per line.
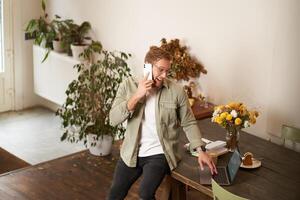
x,y
52,77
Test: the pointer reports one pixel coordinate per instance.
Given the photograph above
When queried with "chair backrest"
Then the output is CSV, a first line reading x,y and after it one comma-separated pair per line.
x,y
290,133
220,193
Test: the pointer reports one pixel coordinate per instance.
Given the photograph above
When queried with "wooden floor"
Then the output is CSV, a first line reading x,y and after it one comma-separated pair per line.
x,y
9,162
80,176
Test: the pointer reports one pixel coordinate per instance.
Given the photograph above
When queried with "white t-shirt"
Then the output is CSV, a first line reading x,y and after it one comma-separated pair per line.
x,y
149,141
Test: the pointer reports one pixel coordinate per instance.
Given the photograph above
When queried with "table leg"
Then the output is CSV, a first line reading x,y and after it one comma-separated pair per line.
x,y
178,190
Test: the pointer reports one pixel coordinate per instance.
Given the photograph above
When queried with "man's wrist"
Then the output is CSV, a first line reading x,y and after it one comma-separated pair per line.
x,y
132,103
201,149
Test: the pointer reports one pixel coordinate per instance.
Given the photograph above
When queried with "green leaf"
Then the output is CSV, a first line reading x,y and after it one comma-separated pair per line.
x,y
46,55
64,136
43,5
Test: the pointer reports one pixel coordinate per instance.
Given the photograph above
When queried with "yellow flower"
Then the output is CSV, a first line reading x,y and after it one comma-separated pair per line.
x,y
215,119
237,121
252,117
220,107
243,110
219,120
229,117
224,115
234,112
234,105
252,120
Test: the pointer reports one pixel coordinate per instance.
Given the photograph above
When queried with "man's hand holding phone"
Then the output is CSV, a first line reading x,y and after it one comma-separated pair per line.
x,y
146,83
148,70
144,86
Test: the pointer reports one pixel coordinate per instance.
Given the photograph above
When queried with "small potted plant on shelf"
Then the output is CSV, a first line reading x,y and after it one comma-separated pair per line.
x,y
85,113
61,27
42,31
75,38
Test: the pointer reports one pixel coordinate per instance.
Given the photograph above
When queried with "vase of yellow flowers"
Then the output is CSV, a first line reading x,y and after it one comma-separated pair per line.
x,y
232,138
233,117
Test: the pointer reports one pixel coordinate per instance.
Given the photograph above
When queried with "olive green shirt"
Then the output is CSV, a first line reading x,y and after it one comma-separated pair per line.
x,y
172,110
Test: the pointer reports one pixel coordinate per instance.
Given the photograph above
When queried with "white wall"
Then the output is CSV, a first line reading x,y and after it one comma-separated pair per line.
x,y
23,11
250,48
25,97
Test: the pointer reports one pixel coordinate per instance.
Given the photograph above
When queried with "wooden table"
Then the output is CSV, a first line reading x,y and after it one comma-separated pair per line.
x,y
200,111
82,176
277,178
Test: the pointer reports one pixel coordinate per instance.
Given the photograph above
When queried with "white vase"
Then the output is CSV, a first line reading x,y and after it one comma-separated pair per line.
x,y
57,46
87,40
102,146
77,50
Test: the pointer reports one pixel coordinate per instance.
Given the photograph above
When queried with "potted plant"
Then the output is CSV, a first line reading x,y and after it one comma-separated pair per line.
x,y
61,27
74,38
42,31
90,97
184,66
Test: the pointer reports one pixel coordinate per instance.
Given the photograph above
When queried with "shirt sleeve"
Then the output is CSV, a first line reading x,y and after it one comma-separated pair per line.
x,y
119,111
188,121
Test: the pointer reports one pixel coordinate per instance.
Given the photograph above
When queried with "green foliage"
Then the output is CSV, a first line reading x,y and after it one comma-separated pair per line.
x,y
43,5
75,34
45,31
61,28
94,47
90,96
42,30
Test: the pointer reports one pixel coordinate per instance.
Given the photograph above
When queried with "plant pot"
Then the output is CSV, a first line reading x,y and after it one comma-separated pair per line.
x,y
77,50
57,46
87,40
100,147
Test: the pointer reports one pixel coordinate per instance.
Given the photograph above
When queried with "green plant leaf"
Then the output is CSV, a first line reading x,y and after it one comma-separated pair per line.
x,y
46,55
43,5
90,96
64,136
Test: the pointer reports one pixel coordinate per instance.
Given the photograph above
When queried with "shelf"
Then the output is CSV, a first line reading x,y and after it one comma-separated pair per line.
x,y
202,112
52,77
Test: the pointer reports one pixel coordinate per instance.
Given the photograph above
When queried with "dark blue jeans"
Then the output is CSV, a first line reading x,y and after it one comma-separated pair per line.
x,y
152,168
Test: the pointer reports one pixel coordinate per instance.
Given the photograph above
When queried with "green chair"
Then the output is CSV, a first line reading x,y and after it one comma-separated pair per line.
x,y
220,193
290,133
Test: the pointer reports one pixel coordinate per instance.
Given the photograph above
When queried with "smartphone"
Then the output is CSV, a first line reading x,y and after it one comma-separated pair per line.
x,y
148,69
